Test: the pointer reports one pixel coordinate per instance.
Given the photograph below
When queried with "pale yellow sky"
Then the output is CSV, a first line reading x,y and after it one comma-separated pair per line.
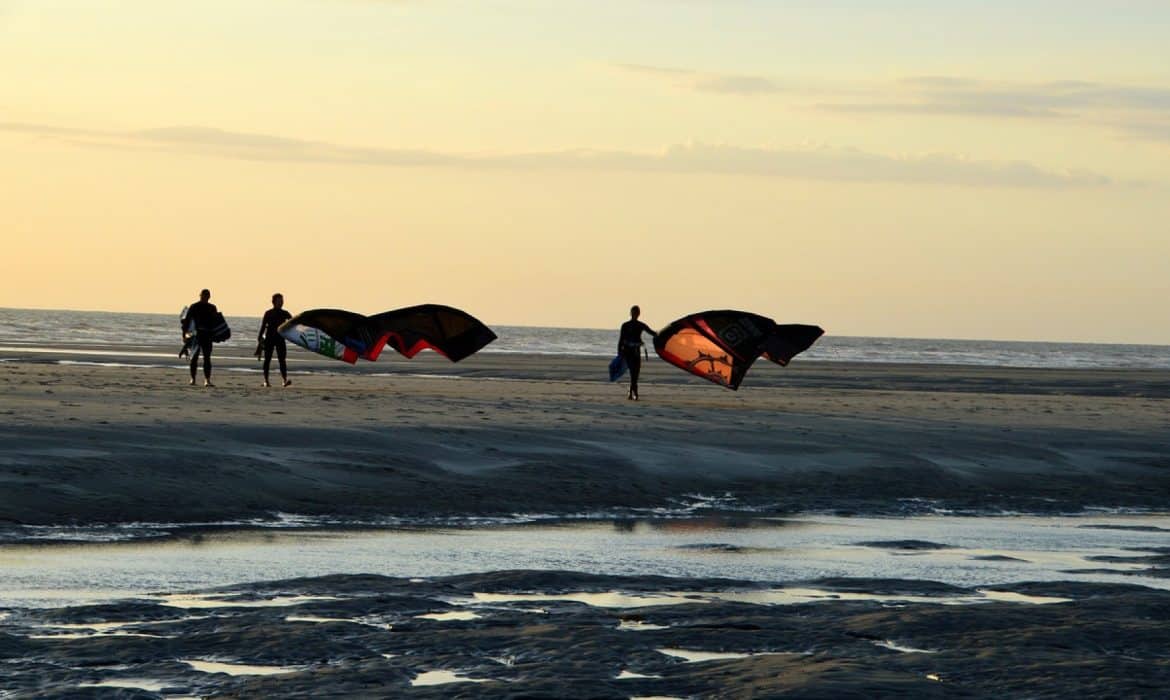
x,y
916,171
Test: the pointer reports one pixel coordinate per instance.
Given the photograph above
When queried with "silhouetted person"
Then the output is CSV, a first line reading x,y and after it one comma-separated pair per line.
x,y
630,347
204,314
271,340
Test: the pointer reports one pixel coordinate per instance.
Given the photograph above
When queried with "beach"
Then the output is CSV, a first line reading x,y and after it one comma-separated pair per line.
x,y
91,445
84,443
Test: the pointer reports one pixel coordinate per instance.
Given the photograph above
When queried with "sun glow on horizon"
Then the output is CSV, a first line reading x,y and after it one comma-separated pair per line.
x,y
877,172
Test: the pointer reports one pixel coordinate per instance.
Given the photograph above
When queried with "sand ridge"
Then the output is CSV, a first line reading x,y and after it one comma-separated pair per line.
x,y
504,434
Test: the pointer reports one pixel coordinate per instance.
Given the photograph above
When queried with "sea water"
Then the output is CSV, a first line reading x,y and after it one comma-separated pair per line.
x,y
964,551
102,331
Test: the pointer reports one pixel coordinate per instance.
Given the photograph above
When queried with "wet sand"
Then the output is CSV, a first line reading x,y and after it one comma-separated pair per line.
x,y
464,636
502,434
498,435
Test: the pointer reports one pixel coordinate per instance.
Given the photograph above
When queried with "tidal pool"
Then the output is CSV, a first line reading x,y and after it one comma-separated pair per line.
x,y
971,552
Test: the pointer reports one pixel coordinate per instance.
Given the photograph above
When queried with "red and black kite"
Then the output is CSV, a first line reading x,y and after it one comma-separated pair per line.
x,y
721,346
344,335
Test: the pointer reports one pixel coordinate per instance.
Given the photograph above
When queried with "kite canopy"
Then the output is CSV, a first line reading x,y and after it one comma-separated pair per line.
x,y
344,335
721,346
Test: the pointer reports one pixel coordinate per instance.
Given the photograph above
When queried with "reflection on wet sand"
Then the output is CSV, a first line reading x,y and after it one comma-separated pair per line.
x,y
150,685
443,678
236,669
609,599
192,601
964,551
625,674
887,644
639,626
697,655
772,596
448,616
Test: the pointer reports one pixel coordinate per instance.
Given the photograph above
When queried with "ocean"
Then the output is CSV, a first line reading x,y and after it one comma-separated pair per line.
x,y
107,331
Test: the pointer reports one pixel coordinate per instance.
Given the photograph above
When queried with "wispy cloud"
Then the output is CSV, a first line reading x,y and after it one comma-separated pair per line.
x,y
831,164
1136,110
725,83
1053,99
1151,130
945,108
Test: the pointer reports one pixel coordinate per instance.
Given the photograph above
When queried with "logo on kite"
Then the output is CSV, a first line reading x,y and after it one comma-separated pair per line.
x,y
347,336
720,346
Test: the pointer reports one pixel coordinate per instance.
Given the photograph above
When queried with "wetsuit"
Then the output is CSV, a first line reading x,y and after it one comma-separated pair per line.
x,y
273,340
630,348
203,313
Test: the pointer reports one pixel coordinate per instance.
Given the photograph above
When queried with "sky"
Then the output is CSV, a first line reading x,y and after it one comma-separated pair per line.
x,y
961,169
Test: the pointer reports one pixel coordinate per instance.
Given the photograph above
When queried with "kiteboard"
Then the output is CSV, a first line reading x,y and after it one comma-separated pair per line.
x,y
220,332
188,332
617,367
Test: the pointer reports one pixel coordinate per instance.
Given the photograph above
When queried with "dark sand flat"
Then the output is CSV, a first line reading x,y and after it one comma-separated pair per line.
x,y
375,637
501,434
508,434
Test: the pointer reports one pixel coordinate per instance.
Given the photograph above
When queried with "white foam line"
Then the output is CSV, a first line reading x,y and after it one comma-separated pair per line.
x,y
85,351
887,644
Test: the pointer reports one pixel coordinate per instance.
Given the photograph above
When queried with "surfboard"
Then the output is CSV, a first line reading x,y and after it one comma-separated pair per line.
x,y
188,332
617,367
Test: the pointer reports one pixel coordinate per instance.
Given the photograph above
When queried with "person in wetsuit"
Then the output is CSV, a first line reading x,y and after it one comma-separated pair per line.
x,y
271,340
630,347
203,313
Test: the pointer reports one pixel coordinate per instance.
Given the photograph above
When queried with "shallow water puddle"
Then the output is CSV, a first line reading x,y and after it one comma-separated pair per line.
x,y
448,616
192,601
791,596
442,678
609,599
98,626
1010,597
639,626
96,635
770,596
887,644
319,620
234,669
691,656
965,551
630,674
150,685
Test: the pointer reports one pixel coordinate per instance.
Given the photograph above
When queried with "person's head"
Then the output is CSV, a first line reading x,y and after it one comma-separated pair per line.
x,y
205,295
277,300
635,312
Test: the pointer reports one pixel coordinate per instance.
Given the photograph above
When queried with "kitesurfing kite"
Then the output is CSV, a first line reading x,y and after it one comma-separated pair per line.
x,y
344,335
720,346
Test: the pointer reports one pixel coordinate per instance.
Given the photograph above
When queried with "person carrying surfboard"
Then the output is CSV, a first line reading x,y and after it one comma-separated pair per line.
x,y
630,347
204,316
269,339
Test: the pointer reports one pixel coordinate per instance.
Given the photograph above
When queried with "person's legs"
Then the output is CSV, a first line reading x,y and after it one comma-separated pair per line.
x,y
205,348
634,362
281,353
268,362
194,362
